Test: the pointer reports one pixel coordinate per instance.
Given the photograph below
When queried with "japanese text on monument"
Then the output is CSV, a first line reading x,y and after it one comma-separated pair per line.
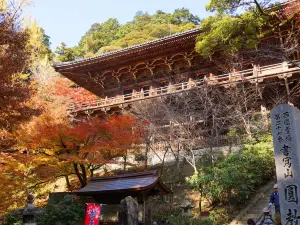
x,y
287,160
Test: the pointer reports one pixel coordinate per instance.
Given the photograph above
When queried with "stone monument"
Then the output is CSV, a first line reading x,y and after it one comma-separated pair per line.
x,y
28,214
286,138
128,213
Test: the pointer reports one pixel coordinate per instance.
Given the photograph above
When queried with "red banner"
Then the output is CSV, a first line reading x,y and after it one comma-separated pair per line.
x,y
92,215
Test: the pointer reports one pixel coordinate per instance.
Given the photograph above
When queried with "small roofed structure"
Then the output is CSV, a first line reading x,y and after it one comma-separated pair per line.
x,y
111,190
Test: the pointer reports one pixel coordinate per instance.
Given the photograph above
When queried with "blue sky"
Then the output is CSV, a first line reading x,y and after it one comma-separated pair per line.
x,y
68,20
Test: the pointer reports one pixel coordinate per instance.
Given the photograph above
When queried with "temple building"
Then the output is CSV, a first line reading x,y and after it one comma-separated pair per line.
x,y
160,67
154,69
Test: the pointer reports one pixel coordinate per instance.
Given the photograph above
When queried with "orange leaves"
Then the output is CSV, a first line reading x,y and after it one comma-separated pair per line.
x,y
88,143
41,132
78,148
6,139
63,87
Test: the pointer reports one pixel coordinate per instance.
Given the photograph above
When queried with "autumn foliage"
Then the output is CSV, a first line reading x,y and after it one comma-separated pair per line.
x,y
64,87
14,57
83,147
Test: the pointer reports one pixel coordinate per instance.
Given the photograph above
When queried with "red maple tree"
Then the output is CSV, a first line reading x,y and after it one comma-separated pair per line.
x,y
82,147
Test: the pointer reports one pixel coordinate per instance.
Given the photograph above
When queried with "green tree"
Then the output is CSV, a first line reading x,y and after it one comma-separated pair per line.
x,y
109,49
64,54
183,15
100,35
161,17
231,6
111,35
230,33
133,38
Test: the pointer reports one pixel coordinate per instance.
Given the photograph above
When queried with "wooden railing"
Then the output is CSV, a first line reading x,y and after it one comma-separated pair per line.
x,y
257,74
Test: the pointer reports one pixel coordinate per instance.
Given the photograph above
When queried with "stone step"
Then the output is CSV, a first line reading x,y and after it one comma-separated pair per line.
x,y
255,210
251,215
258,209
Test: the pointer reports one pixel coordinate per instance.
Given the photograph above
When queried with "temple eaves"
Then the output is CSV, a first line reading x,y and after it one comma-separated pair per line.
x,y
158,43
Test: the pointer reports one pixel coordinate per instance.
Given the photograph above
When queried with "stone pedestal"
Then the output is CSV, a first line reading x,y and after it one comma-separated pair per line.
x,y
128,213
286,138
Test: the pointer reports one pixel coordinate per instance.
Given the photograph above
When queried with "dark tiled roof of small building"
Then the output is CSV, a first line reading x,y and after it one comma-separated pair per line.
x,y
123,183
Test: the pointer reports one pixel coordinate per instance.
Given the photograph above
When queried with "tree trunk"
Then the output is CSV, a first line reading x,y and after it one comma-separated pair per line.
x,y
200,203
125,161
146,155
84,175
92,172
163,162
81,175
67,181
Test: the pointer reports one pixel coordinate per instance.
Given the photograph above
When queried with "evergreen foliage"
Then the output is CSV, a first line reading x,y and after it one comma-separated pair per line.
x,y
13,219
67,211
232,180
240,25
111,35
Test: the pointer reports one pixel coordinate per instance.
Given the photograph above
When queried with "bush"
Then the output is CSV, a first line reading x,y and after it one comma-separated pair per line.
x,y
13,219
67,211
169,214
218,217
161,212
181,219
175,217
233,179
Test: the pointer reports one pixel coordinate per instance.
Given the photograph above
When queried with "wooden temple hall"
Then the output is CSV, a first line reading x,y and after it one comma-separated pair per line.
x,y
160,67
109,191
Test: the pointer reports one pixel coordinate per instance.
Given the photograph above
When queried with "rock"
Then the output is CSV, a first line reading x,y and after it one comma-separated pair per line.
x,y
187,204
128,212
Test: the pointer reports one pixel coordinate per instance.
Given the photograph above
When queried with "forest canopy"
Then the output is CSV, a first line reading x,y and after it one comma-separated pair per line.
x,y
111,35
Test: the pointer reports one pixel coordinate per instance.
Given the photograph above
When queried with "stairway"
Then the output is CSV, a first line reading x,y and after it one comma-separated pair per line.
x,y
254,209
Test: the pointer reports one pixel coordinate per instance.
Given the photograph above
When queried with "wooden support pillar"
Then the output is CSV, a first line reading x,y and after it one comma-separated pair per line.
x,y
147,211
152,91
191,83
149,220
170,88
144,208
285,66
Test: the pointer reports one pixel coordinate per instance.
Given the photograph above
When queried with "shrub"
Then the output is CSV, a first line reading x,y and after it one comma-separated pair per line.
x,y
218,217
181,219
233,179
67,211
161,212
13,219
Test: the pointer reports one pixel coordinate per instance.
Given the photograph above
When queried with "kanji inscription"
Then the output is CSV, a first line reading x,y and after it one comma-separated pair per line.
x,y
286,133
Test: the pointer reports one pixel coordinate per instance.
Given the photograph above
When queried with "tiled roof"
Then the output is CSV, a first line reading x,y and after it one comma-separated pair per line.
x,y
136,49
125,51
122,183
